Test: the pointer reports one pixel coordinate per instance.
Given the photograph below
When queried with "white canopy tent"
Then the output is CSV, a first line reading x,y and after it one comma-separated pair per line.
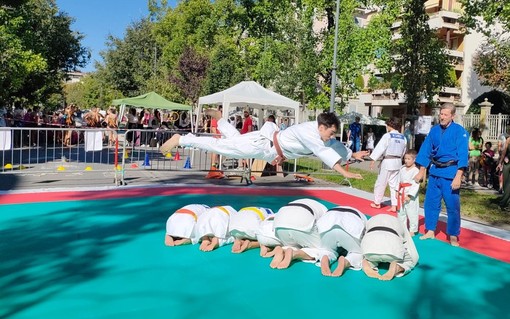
x,y
249,94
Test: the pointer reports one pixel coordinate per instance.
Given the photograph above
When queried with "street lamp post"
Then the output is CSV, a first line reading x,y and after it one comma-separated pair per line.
x,y
333,72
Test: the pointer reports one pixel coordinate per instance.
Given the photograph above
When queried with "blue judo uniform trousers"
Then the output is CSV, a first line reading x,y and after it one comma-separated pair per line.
x,y
444,151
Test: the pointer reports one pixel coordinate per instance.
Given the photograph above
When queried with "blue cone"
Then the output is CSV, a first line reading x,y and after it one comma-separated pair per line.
x,y
146,162
188,163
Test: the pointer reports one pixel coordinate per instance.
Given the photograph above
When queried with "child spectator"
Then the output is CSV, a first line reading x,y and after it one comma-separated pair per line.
x,y
407,193
487,162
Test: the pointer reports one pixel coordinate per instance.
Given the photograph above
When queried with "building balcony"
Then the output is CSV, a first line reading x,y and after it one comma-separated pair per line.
x,y
451,90
455,53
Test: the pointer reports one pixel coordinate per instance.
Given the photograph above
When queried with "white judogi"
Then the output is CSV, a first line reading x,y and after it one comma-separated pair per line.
x,y
246,222
214,222
386,240
391,148
296,141
410,209
295,226
182,222
266,235
343,226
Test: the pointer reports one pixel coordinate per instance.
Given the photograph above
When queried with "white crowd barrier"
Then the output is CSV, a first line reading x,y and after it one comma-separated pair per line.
x,y
119,153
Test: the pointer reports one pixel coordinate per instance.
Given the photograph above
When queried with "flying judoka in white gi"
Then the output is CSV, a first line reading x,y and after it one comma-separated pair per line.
x,y
342,227
180,226
244,225
275,146
212,227
387,241
295,226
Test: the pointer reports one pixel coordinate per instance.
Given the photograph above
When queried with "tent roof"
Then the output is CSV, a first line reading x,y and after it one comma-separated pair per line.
x,y
250,93
152,100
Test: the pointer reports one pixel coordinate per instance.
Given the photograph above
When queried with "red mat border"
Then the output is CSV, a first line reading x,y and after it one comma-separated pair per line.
x,y
472,240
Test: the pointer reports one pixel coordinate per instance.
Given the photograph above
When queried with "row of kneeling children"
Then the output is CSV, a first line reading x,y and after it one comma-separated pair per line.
x,y
303,229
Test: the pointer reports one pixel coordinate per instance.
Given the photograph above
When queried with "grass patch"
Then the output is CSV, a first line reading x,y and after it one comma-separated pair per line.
x,y
474,205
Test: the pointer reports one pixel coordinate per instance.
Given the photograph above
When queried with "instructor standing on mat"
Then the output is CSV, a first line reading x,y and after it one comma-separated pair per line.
x,y
445,153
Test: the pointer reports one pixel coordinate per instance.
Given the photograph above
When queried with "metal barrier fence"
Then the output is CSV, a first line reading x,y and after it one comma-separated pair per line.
x,y
120,153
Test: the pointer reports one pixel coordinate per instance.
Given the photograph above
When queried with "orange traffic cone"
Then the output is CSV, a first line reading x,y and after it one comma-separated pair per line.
x,y
214,173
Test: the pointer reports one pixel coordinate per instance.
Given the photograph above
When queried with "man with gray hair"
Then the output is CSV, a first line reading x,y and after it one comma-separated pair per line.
x,y
445,153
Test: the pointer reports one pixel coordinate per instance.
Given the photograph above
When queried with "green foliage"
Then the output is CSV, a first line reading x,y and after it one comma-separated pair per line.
x,y
420,57
492,12
38,48
359,83
492,64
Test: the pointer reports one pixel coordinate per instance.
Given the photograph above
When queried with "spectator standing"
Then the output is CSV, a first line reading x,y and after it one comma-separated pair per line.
x,y
475,151
354,135
445,152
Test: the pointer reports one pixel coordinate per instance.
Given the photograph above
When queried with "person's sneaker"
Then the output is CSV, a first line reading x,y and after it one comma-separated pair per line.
x,y
476,184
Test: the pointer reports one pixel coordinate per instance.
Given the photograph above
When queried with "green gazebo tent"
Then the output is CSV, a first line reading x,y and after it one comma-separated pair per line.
x,y
152,100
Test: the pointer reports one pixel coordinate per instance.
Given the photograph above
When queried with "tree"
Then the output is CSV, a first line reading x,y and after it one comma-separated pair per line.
x,y
190,74
492,64
39,48
131,62
421,61
485,15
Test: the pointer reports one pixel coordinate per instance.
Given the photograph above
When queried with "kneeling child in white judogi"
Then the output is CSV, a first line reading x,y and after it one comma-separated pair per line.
x,y
387,241
244,226
212,227
295,226
342,227
180,226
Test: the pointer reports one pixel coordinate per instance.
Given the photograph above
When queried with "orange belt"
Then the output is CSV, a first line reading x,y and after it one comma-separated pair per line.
x,y
280,158
187,211
401,194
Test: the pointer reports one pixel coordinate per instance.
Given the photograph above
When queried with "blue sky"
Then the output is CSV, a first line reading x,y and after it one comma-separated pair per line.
x,y
96,19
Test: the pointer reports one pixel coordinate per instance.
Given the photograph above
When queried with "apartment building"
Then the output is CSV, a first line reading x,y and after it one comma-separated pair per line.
x,y
444,18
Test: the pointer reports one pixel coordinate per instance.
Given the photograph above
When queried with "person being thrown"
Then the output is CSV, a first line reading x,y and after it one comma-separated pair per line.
x,y
271,145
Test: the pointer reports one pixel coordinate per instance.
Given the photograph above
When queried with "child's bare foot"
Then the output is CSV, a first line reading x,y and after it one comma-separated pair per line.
x,y
325,267
393,270
236,247
369,271
278,257
428,235
244,246
206,241
342,265
392,209
170,144
287,258
215,243
266,251
454,241
182,241
412,233
169,241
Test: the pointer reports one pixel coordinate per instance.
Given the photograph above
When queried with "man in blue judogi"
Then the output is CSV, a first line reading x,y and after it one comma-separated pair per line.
x,y
445,153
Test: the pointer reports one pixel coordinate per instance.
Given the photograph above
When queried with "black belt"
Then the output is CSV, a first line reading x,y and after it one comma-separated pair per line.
x,y
387,229
308,208
444,164
347,210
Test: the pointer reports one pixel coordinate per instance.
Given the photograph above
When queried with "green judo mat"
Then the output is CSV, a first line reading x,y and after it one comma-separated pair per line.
x,y
106,259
